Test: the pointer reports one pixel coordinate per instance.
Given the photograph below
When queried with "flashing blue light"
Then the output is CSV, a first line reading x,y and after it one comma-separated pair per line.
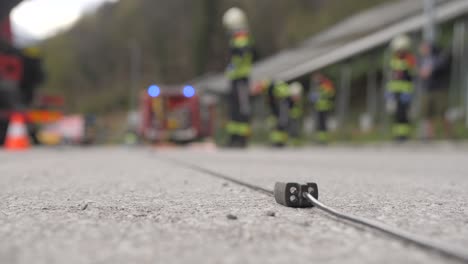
x,y
154,91
189,91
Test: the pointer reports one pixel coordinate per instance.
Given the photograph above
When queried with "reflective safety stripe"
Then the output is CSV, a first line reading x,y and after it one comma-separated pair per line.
x,y
278,136
322,137
323,105
397,86
231,128
401,130
244,129
17,130
238,128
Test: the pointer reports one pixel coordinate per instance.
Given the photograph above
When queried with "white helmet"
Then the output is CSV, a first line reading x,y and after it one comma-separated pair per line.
x,y
235,19
295,89
401,43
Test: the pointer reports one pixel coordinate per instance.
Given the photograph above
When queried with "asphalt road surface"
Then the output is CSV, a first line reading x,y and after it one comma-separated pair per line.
x,y
118,205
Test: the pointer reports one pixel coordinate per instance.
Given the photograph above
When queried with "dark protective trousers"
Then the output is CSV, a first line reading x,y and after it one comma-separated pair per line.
x,y
240,101
401,127
295,128
322,128
240,111
322,121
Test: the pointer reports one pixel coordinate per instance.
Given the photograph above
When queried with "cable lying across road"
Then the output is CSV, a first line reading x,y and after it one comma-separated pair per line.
x,y
224,177
421,242
399,234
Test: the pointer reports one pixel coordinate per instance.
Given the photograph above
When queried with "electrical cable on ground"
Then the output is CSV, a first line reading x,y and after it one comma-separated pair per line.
x,y
396,233
421,242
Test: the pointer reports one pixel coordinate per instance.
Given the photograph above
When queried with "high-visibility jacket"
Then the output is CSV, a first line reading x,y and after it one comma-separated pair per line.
x,y
326,93
402,67
277,91
241,61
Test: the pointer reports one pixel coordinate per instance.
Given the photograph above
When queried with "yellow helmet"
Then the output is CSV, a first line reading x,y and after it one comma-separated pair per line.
x,y
235,19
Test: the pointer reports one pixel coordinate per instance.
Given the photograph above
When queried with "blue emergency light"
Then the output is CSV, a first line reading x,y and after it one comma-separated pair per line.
x,y
189,91
154,91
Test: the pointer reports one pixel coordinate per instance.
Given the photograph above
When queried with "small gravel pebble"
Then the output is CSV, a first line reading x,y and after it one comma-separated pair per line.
x,y
231,217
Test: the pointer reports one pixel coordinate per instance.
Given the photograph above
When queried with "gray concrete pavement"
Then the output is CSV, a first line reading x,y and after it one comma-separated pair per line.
x,y
420,189
111,205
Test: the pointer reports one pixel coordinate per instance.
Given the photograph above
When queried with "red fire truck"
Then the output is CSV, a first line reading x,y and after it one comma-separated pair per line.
x,y
176,114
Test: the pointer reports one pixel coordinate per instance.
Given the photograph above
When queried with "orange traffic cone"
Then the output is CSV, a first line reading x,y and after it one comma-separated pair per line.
x,y
17,136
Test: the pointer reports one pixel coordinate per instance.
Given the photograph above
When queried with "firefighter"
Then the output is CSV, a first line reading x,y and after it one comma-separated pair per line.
x,y
433,67
322,97
278,100
400,86
238,72
295,113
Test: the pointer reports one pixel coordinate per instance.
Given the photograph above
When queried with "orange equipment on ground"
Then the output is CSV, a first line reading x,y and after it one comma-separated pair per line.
x,y
17,135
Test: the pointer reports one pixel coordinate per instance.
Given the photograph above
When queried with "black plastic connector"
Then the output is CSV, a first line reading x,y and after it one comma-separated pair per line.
x,y
292,194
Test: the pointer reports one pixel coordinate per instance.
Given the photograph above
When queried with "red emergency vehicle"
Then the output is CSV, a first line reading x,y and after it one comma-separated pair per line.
x,y
176,114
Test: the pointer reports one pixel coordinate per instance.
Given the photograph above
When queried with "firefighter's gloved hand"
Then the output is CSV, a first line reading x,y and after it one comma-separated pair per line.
x,y
406,98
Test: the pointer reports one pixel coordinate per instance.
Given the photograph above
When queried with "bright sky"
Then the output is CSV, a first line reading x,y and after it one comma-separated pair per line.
x,y
43,18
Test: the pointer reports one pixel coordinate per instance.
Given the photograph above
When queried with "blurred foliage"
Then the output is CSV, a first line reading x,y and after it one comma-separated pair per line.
x,y
179,40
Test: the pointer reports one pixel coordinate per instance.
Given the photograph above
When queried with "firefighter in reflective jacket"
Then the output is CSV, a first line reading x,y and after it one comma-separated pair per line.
x,y
400,86
322,97
296,111
238,72
278,99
